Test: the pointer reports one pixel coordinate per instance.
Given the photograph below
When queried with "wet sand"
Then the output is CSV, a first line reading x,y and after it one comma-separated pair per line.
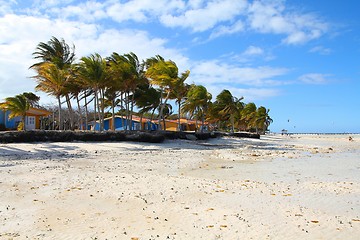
x,y
278,187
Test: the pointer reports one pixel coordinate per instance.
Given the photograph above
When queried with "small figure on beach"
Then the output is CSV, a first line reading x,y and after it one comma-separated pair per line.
x,y
351,139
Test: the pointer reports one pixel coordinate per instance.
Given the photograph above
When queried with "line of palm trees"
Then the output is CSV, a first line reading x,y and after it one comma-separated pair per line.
x,y
125,82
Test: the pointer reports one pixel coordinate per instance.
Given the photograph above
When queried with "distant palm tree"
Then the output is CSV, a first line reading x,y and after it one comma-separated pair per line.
x,y
263,120
248,115
17,106
228,106
197,102
147,99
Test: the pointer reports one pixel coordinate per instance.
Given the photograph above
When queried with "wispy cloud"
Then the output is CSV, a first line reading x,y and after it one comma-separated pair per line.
x,y
214,72
321,50
314,78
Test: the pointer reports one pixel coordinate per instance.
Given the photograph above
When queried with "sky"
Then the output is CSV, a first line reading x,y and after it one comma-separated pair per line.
x,y
299,58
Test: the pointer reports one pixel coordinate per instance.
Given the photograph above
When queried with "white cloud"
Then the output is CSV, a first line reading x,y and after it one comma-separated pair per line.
x,y
249,94
212,72
253,51
238,26
314,78
321,50
142,10
272,17
202,19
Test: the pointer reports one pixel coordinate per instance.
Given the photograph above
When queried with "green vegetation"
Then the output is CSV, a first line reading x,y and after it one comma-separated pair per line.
x,y
125,82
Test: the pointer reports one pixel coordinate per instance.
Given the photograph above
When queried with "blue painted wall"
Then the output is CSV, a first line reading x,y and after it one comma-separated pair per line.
x,y
119,125
9,124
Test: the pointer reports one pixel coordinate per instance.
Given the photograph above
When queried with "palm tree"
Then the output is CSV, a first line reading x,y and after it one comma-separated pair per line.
x,y
56,54
93,72
165,75
179,93
248,115
32,99
17,106
263,120
228,106
55,51
197,102
52,81
147,99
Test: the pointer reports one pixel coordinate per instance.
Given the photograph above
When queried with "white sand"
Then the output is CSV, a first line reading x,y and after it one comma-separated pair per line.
x,y
279,187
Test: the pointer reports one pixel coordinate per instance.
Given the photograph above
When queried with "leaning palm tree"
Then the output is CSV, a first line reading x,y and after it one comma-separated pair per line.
x,y
228,106
93,72
263,120
17,106
197,102
54,51
52,81
57,54
147,99
165,75
248,115
179,94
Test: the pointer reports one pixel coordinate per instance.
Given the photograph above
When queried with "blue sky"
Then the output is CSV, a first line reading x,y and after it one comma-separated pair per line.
x,y
298,58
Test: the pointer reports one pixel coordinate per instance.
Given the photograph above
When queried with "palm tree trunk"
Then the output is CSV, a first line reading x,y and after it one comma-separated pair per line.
x,y
179,116
132,108
71,112
80,113
232,123
162,106
60,120
23,121
113,114
86,114
98,109
95,112
102,95
202,122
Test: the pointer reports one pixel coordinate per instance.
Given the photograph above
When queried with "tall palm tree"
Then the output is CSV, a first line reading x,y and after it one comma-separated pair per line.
x,y
179,93
17,106
164,74
51,80
59,55
93,72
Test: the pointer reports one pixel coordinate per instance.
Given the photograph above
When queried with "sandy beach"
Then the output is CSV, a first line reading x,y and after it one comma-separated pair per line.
x,y
278,187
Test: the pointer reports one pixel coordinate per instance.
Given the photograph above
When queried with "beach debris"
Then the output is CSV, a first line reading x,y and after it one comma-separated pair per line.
x,y
314,221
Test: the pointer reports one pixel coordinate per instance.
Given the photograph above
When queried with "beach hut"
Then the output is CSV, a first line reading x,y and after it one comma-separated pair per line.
x,y
32,120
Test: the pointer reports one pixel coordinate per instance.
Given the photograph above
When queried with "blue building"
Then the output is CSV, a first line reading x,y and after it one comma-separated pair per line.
x,y
122,124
